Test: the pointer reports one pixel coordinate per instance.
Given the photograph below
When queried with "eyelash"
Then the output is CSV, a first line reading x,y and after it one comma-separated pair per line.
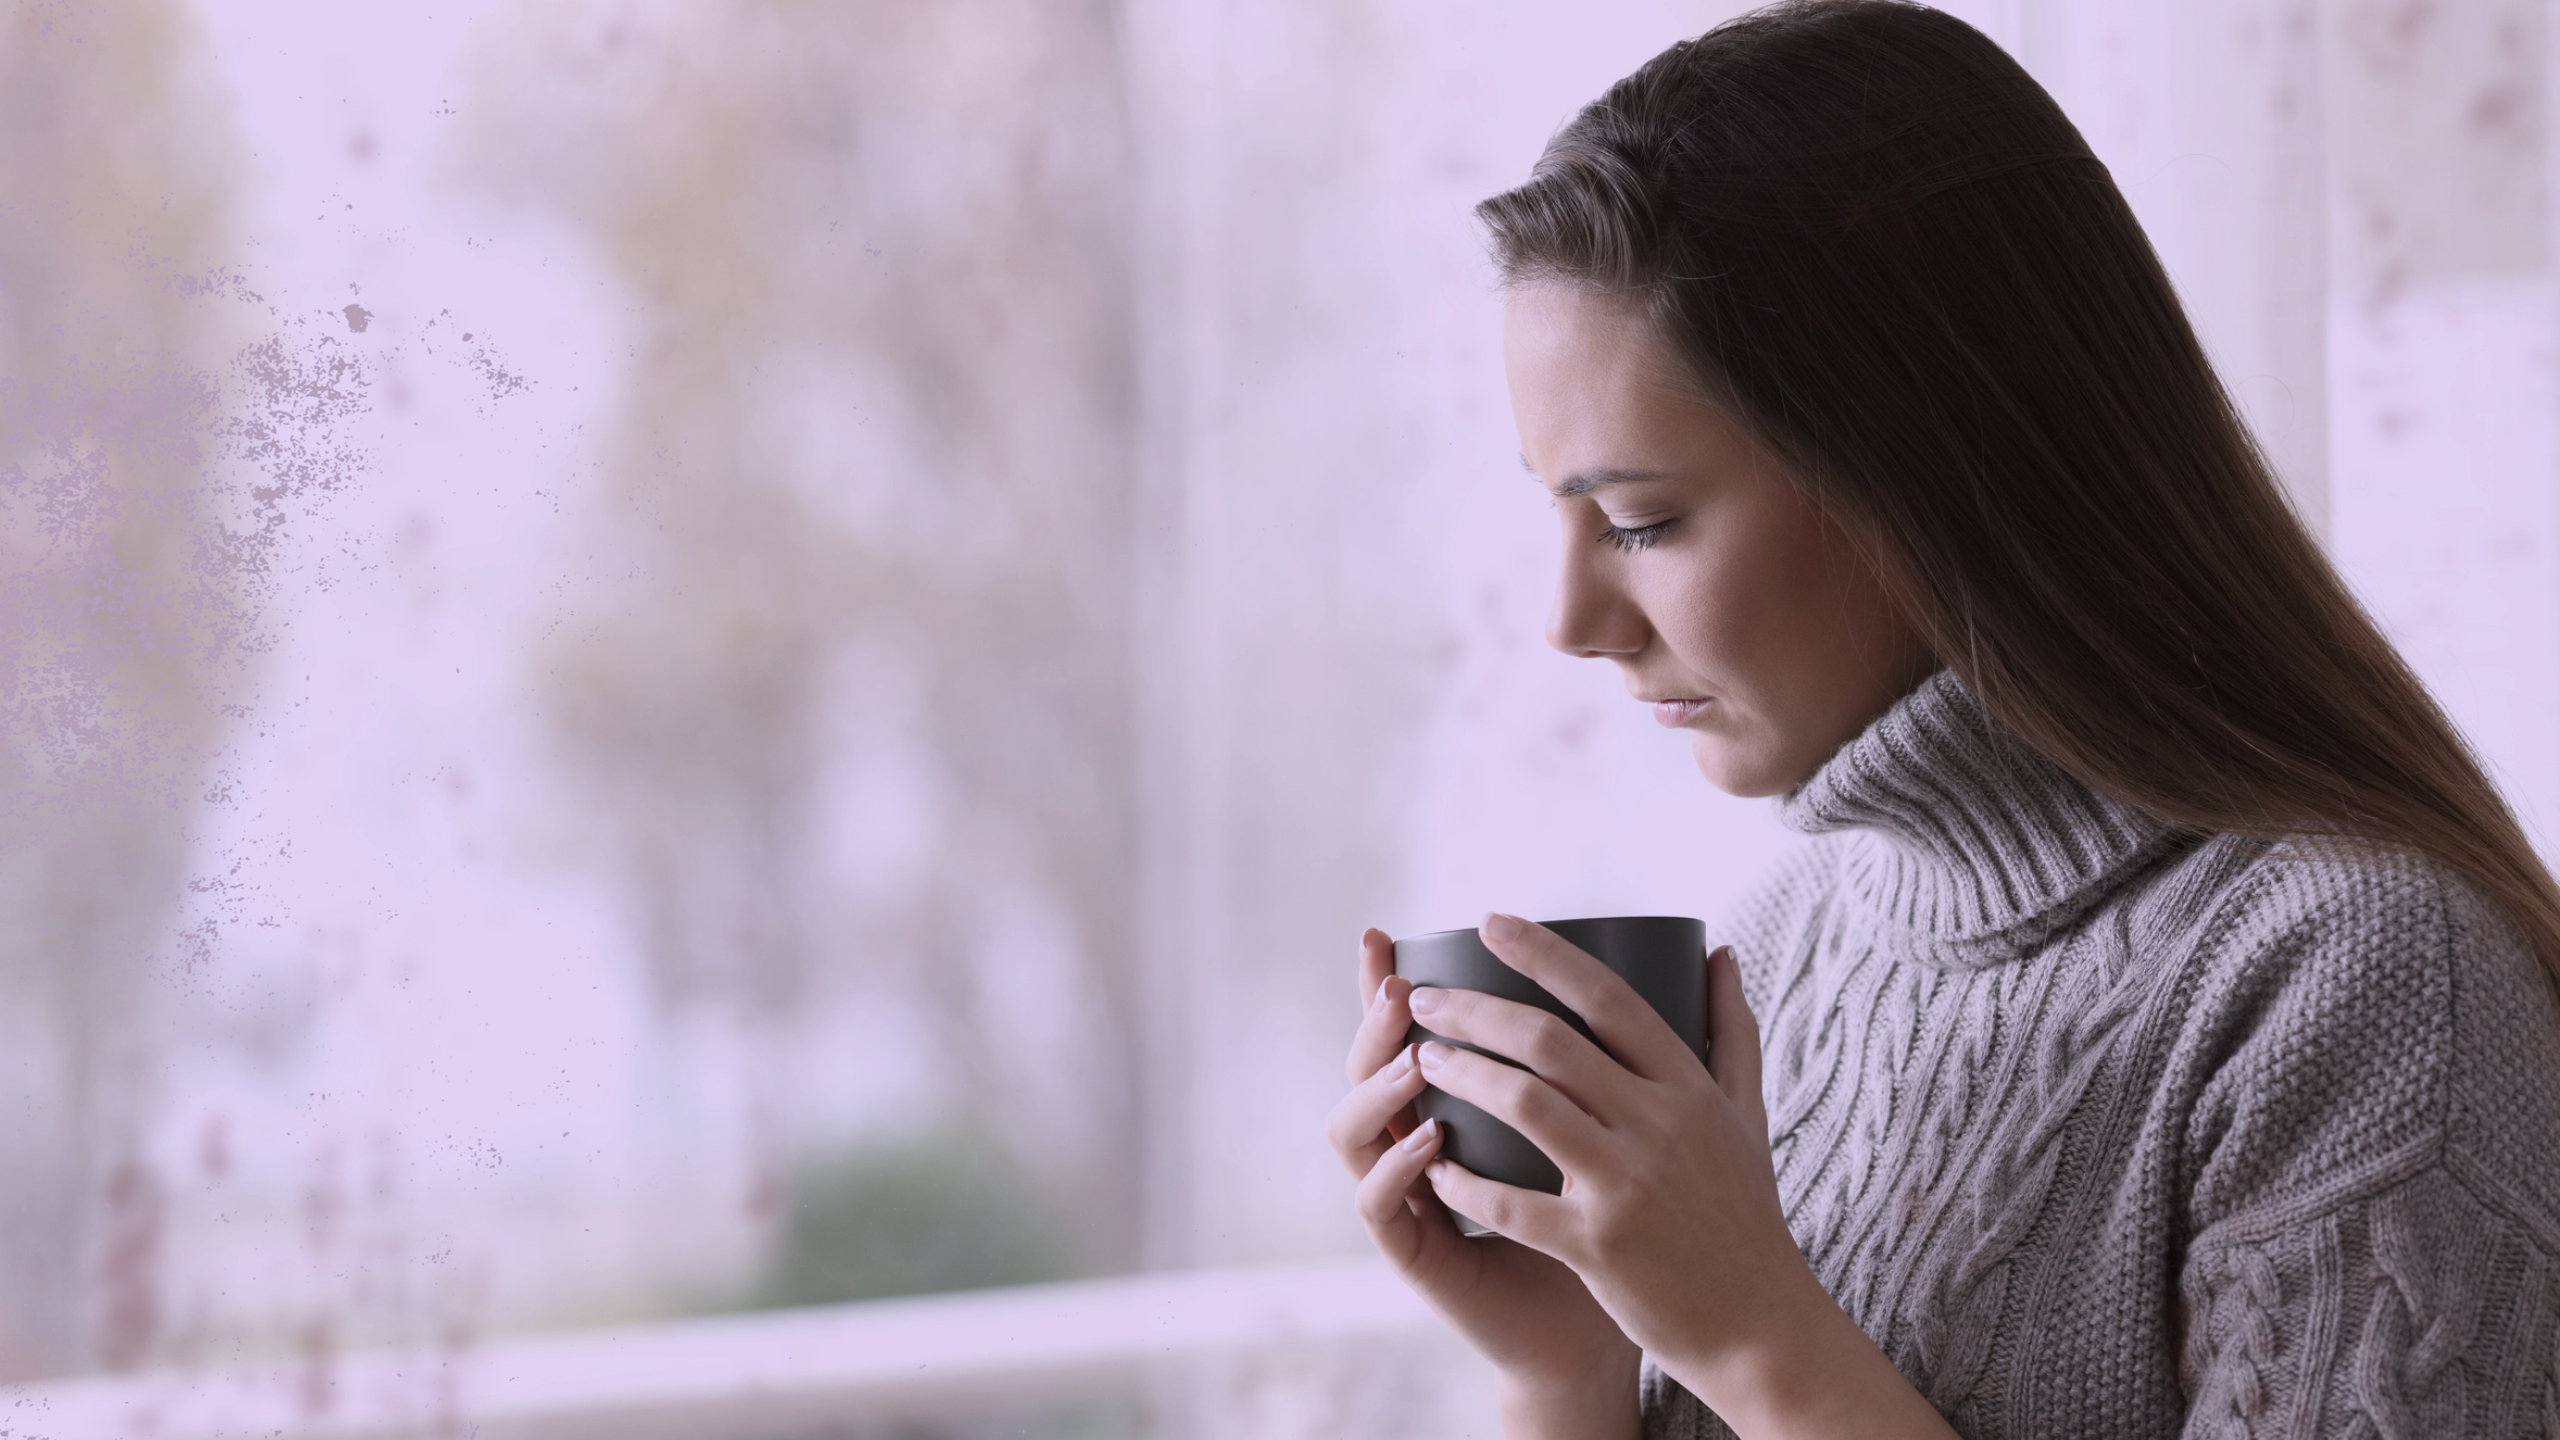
x,y
1635,537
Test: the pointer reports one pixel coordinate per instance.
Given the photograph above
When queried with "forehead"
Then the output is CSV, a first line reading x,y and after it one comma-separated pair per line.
x,y
1592,386
1551,319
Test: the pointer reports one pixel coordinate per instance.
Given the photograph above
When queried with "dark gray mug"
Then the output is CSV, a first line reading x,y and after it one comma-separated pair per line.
x,y
1663,958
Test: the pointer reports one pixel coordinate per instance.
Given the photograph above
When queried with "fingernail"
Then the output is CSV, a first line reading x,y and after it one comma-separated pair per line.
x,y
1498,926
1424,1001
1422,1137
1378,1000
1433,1054
1402,1063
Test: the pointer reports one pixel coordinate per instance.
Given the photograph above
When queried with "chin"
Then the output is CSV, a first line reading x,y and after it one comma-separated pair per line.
x,y
1737,771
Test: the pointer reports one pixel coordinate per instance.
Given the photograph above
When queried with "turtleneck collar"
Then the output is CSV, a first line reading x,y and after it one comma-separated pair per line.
x,y
1964,836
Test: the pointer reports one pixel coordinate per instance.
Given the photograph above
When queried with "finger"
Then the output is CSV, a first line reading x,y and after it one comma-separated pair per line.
x,y
1628,1028
1733,1035
1519,1099
1527,1216
1382,1198
1525,1034
1377,962
1358,1125
1383,1026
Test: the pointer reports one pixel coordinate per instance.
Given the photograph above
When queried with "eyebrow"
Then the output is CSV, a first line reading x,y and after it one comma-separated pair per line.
x,y
1586,481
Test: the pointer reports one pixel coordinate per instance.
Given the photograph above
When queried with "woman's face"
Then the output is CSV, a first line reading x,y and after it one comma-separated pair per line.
x,y
1730,604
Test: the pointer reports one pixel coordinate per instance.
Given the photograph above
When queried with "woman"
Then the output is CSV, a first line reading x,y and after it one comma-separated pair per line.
x,y
2160,1024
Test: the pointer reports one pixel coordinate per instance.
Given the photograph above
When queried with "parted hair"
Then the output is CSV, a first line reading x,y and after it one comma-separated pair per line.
x,y
1878,243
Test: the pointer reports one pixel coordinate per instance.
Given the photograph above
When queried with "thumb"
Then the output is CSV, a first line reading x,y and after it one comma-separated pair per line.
x,y
1733,1037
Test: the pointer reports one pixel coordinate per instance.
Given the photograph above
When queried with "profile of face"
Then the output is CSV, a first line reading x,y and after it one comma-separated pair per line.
x,y
1730,603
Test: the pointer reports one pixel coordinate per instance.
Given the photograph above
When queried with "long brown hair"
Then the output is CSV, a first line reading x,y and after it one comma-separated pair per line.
x,y
1880,243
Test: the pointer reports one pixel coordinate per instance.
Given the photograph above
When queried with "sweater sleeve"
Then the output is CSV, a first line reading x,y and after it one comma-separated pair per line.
x,y
2415,1312
2374,1160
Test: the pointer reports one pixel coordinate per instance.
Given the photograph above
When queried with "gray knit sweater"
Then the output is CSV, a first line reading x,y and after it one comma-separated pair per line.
x,y
2102,1131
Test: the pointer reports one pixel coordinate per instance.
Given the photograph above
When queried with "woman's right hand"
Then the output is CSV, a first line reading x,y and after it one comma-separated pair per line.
x,y
1565,1367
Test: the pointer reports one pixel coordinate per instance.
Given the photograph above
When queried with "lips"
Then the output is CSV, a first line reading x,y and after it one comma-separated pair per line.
x,y
1672,714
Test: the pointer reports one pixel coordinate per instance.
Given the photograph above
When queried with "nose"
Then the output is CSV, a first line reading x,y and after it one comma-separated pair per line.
x,y
1593,618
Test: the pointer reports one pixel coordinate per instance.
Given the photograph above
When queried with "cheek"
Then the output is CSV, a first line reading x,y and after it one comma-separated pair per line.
x,y
1737,611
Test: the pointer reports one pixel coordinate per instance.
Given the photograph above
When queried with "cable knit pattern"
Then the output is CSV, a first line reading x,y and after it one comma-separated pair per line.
x,y
2102,1130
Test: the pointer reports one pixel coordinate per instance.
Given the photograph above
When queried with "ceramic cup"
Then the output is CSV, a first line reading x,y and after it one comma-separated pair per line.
x,y
1662,957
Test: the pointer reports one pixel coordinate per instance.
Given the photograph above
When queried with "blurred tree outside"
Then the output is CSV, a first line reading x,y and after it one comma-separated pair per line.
x,y
136,506
856,732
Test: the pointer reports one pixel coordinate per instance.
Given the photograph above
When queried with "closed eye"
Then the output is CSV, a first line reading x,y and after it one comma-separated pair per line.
x,y
1634,537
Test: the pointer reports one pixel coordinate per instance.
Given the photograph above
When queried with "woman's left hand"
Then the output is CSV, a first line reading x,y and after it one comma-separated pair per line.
x,y
1670,1212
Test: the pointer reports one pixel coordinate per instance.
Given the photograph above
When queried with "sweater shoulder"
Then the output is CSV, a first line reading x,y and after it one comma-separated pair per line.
x,y
2354,1015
